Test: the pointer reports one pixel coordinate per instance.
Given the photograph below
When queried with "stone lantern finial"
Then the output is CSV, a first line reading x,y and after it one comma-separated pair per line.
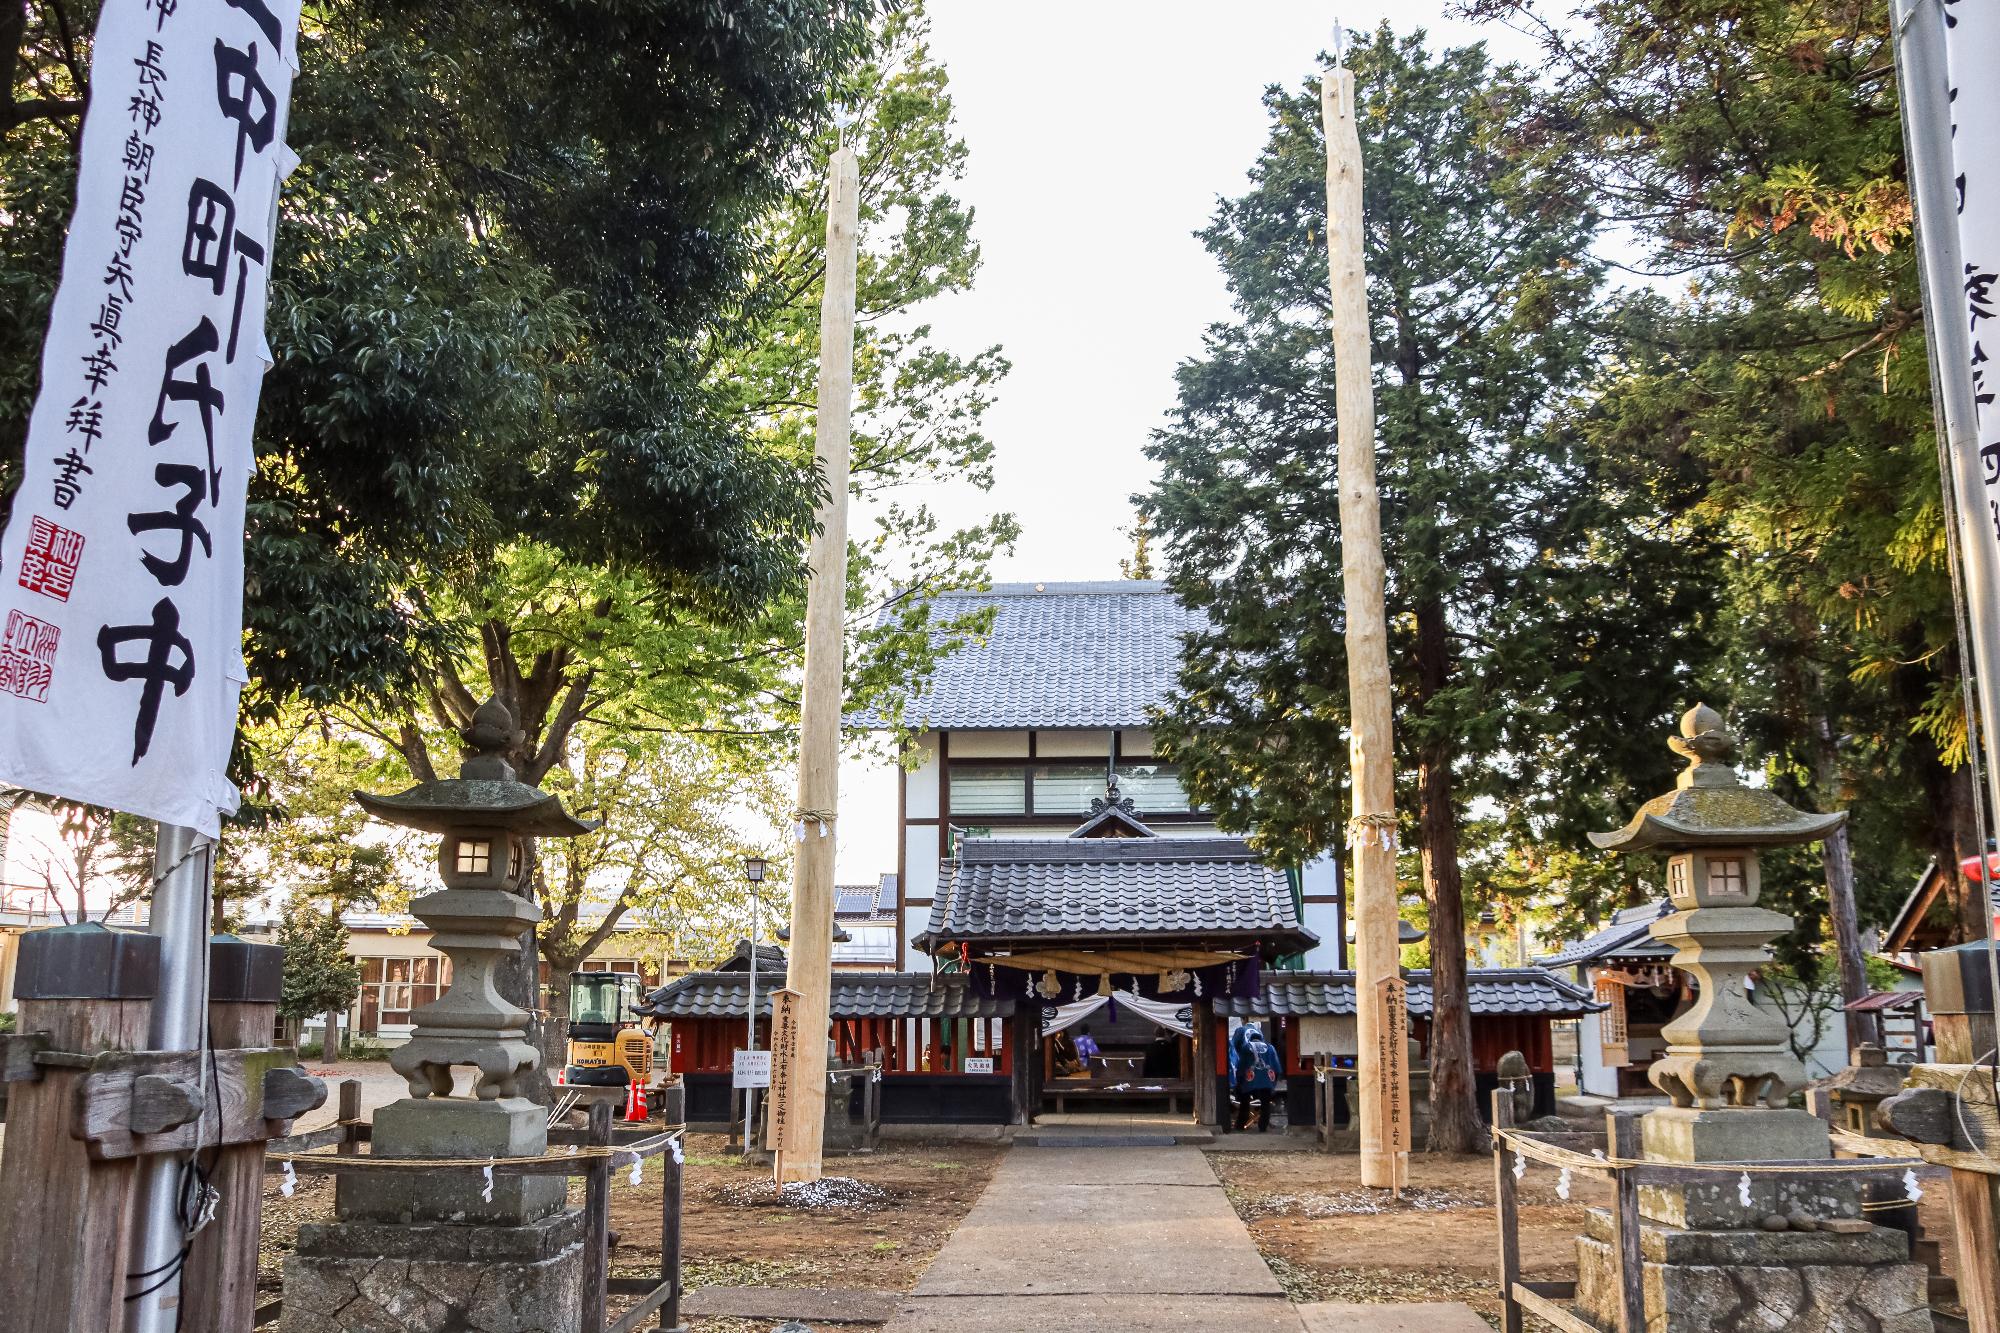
x,y
1708,746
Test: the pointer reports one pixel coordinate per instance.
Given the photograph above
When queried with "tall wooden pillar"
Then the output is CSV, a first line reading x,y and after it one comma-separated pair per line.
x,y
810,968
1383,1083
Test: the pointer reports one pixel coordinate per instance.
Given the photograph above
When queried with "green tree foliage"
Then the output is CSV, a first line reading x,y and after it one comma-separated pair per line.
x,y
676,820
1536,623
319,977
1749,152
499,271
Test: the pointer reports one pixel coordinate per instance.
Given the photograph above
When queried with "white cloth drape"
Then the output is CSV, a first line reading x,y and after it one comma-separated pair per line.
x,y
1161,1013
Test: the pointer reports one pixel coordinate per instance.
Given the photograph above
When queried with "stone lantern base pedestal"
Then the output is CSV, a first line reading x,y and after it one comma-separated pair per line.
x,y
420,1251
1712,1263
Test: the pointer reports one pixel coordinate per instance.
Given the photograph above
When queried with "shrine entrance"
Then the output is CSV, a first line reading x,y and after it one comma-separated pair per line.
x,y
1118,1053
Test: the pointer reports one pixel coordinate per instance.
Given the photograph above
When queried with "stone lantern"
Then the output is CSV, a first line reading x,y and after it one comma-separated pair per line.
x,y
507,1245
1725,1250
1724,1051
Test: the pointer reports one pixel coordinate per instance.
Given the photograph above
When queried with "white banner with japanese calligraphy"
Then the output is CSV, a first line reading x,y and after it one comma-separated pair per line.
x,y
121,570
1972,48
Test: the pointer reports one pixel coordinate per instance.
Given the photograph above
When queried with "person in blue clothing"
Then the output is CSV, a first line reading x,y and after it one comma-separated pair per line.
x,y
1253,1075
1086,1047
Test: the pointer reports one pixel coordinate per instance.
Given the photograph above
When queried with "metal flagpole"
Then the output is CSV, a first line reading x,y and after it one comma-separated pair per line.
x,y
163,1212
1924,85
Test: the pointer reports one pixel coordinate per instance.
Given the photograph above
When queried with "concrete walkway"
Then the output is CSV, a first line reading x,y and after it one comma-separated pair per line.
x,y
1099,1238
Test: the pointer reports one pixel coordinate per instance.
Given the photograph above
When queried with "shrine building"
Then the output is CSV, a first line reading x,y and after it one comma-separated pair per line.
x,y
1055,878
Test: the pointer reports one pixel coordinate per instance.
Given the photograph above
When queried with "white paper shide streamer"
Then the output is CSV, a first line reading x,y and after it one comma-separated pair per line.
x,y
121,569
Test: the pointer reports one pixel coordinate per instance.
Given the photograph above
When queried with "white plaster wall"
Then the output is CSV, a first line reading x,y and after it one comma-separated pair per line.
x,y
920,858
920,784
914,921
989,745
1069,745
1136,743
1597,1077
1322,919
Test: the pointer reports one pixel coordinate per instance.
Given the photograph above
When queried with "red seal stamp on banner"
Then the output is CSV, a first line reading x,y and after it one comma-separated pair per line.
x,y
28,656
48,565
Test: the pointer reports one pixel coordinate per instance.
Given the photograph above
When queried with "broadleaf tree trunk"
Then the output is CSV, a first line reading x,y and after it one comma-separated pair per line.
x,y
329,1043
1455,1123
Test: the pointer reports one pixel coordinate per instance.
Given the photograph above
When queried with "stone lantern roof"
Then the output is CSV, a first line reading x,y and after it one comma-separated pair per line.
x,y
485,794
1710,806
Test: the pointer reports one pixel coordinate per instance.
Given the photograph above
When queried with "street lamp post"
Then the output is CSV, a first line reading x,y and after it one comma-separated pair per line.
x,y
753,871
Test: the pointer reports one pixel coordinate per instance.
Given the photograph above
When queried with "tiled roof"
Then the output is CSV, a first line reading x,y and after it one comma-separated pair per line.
x,y
1626,937
866,902
1489,991
855,995
1042,889
1058,655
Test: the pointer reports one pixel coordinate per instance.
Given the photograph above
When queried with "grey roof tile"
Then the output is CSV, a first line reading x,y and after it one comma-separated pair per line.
x,y
1023,888
1058,655
1489,992
1627,935
855,995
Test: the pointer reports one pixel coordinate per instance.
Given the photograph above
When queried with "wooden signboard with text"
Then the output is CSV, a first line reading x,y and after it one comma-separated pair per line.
x,y
1393,996
784,1059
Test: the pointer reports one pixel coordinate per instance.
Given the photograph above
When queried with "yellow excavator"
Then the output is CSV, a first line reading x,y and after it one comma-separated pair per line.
x,y
607,1048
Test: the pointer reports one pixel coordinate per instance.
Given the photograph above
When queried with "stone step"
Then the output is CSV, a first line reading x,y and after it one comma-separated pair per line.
x,y
1049,1139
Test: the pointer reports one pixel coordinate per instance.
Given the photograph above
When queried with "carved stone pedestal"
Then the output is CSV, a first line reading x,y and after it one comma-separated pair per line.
x,y
420,1251
1759,1281
361,1277
1789,1254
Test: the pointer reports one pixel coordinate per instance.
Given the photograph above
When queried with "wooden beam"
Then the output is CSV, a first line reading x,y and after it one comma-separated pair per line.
x,y
1384,1082
811,961
1977,1234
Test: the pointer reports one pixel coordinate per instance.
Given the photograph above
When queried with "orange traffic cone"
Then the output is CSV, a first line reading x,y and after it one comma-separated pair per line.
x,y
635,1103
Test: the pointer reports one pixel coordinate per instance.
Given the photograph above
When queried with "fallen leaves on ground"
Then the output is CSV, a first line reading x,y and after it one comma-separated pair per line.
x,y
1357,1202
828,1194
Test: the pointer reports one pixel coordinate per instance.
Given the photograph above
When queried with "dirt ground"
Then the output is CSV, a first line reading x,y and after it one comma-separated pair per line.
x,y
733,1237
735,1232
1308,1214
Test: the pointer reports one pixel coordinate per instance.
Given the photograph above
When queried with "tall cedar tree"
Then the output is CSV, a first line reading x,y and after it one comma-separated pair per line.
x,y
1535,626
1752,150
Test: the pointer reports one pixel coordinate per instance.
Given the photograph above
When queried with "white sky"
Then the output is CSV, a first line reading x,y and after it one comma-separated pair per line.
x,y
1102,133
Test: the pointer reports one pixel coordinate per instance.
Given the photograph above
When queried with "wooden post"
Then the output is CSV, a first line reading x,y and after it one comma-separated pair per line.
x,y
1381,1083
66,1252
350,1111
219,1285
1506,1211
596,1220
1978,1244
671,1162
810,968
1622,1137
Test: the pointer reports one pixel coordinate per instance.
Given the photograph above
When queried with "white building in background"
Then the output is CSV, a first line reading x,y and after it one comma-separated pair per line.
x,y
1019,731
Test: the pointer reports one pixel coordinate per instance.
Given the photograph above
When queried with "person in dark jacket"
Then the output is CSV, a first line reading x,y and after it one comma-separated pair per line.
x,y
1254,1074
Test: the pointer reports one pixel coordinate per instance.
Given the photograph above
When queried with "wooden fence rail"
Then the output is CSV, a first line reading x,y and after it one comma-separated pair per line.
x,y
608,1149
